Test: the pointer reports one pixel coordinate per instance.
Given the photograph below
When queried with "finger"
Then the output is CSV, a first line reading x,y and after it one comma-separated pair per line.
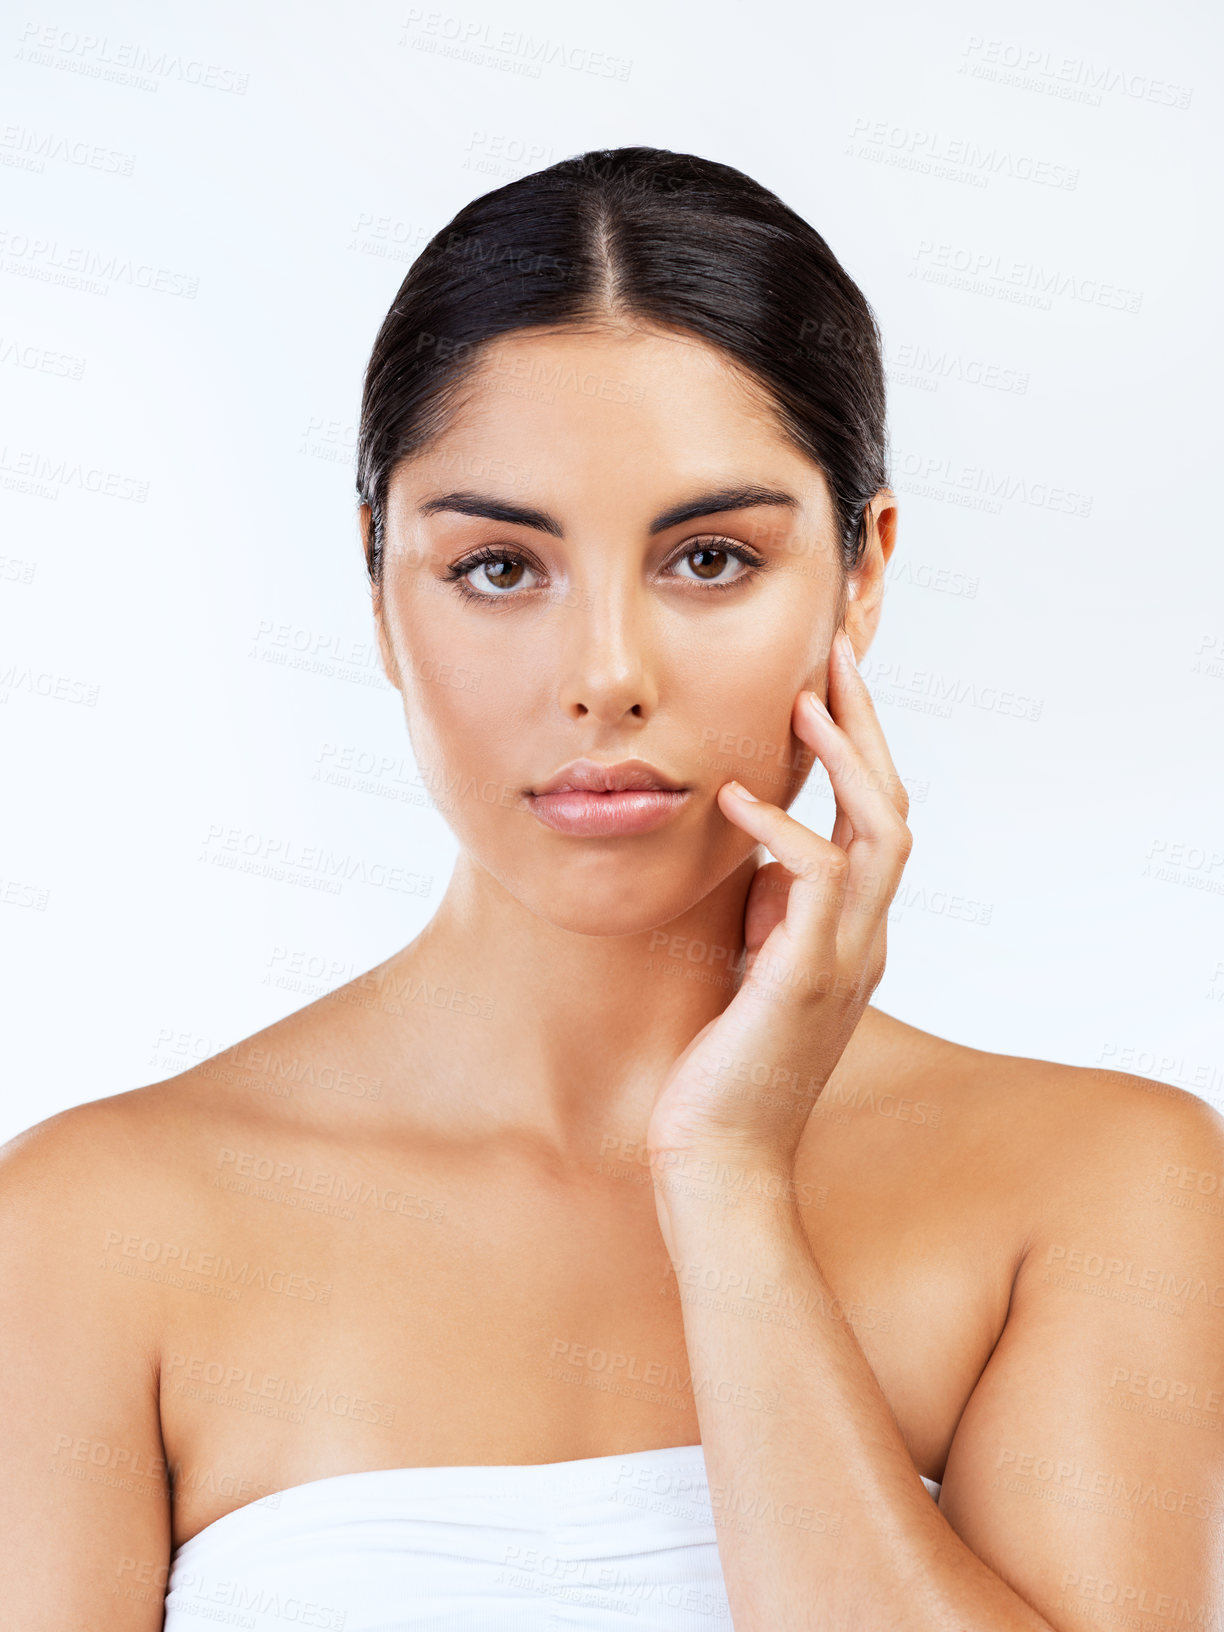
x,y
881,842
852,708
872,970
861,794
820,869
863,927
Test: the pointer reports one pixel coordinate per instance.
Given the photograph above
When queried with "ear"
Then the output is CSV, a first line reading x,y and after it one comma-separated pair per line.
x,y
364,523
865,585
390,667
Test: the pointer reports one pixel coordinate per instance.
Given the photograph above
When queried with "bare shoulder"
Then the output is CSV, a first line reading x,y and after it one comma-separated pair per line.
x,y
82,1195
108,1210
1065,1136
123,1145
72,1163
146,1161
134,1147
1108,1357
84,1496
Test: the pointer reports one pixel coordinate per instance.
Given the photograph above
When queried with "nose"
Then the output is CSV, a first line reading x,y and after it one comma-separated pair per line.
x,y
606,668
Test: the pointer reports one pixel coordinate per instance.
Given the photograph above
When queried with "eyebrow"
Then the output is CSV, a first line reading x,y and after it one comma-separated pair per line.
x,y
741,497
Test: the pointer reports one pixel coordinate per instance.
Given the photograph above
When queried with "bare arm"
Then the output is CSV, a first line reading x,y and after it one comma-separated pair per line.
x,y
1087,1471
1058,1506
84,1499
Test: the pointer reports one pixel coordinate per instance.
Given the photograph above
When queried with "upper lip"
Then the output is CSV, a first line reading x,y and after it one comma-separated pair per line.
x,y
589,776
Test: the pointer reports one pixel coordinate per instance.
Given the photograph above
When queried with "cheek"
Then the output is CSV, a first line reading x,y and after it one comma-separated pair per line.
x,y
453,702
470,741
454,712
745,722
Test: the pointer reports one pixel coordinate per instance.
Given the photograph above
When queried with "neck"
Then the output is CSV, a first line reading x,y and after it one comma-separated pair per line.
x,y
561,1038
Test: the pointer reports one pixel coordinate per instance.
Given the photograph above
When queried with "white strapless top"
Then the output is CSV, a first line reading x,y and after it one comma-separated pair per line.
x,y
603,1542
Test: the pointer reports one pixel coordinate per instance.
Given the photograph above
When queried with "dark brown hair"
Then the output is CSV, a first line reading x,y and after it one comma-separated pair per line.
x,y
640,233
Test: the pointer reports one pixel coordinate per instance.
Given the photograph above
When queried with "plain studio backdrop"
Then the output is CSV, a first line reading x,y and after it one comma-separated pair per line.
x,y
212,812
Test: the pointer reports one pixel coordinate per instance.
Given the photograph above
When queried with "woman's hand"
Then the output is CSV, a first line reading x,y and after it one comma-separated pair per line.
x,y
814,928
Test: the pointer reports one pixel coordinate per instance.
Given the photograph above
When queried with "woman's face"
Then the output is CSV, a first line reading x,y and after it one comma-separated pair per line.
x,y
580,619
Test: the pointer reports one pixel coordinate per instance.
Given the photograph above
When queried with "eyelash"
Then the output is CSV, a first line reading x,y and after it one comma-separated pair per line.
x,y
489,553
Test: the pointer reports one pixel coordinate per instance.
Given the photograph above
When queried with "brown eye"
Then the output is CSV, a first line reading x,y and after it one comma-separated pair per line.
x,y
501,574
709,562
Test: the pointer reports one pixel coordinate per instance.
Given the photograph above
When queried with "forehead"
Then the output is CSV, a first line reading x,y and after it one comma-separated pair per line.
x,y
614,403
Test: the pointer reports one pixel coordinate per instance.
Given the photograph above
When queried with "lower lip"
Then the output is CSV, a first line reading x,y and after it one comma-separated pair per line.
x,y
607,815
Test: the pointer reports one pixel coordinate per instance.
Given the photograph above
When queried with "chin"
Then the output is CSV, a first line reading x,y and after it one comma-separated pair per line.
x,y
619,891
621,903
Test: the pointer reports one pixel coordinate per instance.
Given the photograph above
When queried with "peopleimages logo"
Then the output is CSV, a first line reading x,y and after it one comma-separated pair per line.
x,y
471,39
930,691
953,158
1025,283
980,488
80,266
20,354
1076,79
29,149
98,57
49,475
927,367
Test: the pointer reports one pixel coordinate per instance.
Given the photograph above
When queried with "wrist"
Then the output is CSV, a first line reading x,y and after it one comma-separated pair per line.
x,y
730,1250
711,1189
733,1169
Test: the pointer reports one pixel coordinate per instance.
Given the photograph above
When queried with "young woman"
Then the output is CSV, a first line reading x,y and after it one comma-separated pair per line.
x,y
603,1257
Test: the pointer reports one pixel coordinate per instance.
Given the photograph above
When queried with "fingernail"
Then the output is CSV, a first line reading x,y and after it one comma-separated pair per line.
x,y
737,787
816,703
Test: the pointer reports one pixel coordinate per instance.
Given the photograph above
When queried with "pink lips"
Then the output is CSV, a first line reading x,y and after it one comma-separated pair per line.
x,y
605,815
591,800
